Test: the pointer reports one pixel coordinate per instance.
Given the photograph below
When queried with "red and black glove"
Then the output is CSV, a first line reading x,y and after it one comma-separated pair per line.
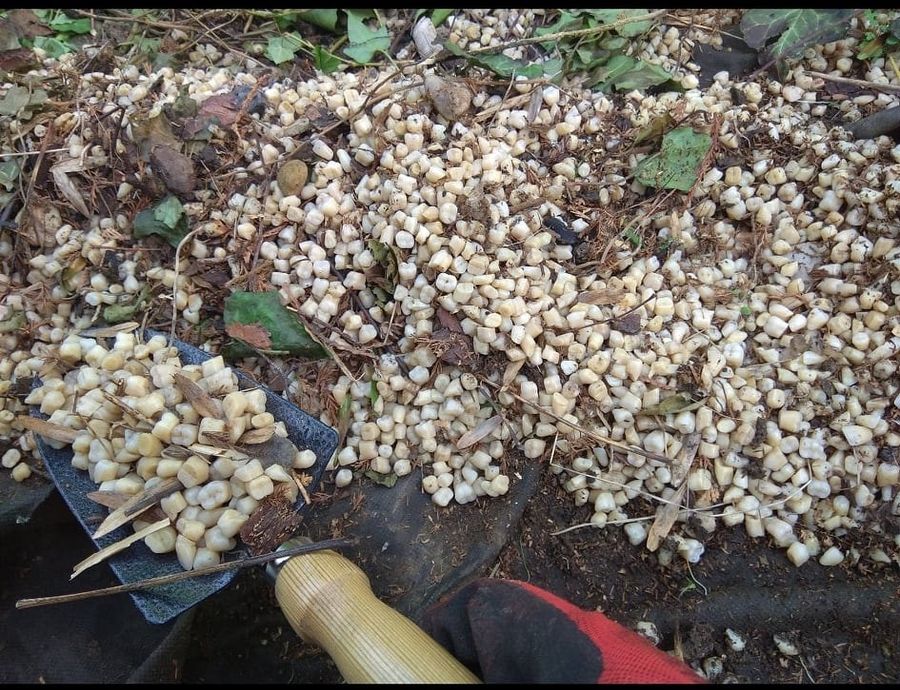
x,y
507,631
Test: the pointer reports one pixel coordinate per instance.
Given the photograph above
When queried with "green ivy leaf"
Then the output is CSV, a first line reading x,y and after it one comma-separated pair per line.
x,y
387,480
364,41
566,20
324,19
373,392
508,67
325,61
438,17
13,322
624,73
169,211
280,49
9,173
796,29
871,49
54,47
676,164
166,218
64,24
265,310
386,256
117,313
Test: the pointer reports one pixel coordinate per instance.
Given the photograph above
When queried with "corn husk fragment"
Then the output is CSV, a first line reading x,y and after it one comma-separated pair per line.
x,y
115,548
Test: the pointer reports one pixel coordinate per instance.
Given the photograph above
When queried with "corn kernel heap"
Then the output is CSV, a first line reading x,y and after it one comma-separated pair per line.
x,y
137,429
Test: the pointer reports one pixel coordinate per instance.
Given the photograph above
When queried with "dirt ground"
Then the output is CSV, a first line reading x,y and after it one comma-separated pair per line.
x,y
845,622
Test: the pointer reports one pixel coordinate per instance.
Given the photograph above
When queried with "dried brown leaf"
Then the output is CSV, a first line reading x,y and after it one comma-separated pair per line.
x,y
57,432
199,398
535,103
175,169
67,188
604,296
255,436
448,320
276,451
667,513
486,428
27,24
629,324
682,464
251,333
511,370
177,452
17,59
110,331
118,546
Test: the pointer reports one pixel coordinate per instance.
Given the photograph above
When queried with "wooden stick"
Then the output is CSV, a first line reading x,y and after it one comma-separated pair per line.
x,y
862,83
187,574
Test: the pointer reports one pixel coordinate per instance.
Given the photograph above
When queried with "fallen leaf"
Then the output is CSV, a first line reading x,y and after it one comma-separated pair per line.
x,y
387,480
667,513
449,320
256,436
205,404
281,49
563,234
796,29
111,499
152,132
629,324
27,24
166,218
223,110
604,297
506,66
56,432
535,103
677,163
364,41
511,370
66,187
673,405
275,451
17,59
486,428
265,310
252,334
175,169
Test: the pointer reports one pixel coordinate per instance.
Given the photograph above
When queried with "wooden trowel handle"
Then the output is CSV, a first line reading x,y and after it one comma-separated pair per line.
x,y
328,601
